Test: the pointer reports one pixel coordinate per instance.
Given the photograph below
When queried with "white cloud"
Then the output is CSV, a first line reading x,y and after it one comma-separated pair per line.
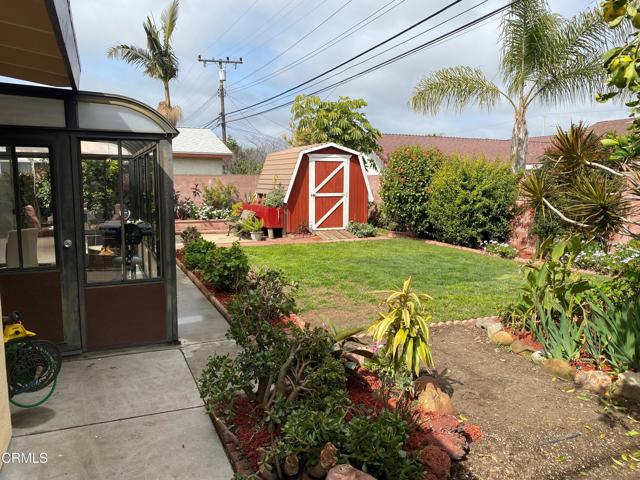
x,y
266,29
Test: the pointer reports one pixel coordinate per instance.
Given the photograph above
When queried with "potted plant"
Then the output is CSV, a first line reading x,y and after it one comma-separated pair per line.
x,y
253,226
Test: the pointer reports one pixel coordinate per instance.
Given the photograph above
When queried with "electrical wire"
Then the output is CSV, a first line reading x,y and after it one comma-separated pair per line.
x,y
440,39
355,57
330,43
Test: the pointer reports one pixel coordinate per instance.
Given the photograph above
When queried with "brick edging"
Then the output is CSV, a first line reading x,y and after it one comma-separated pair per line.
x,y
206,292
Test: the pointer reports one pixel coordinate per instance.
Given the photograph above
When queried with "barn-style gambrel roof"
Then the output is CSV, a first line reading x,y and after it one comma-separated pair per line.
x,y
280,168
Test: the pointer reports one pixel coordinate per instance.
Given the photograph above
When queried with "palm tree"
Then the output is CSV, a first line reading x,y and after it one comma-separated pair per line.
x,y
158,59
545,58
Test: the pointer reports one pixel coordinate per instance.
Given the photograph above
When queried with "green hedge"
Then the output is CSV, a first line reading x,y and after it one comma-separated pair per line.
x,y
472,201
404,188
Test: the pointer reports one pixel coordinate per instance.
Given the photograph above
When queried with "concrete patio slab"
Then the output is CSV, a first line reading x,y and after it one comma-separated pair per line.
x,y
197,354
104,389
174,445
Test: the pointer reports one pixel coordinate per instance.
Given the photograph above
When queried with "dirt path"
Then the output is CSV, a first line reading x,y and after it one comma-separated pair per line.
x,y
533,428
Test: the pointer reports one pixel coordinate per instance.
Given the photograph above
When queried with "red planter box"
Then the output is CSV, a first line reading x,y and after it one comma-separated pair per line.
x,y
272,217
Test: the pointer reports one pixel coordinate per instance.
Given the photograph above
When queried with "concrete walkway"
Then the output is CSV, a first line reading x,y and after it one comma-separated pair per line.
x,y
131,414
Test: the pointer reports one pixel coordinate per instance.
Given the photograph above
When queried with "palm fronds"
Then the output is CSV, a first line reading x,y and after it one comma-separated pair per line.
x,y
454,87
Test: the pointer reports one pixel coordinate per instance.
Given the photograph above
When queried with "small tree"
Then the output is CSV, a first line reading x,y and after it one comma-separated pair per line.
x,y
314,120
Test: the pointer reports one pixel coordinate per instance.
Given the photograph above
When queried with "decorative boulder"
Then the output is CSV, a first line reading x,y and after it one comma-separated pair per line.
x,y
434,400
502,338
420,383
628,386
347,472
559,368
538,357
493,328
593,381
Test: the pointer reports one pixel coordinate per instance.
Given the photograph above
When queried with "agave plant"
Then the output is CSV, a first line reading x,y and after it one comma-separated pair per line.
x,y
404,329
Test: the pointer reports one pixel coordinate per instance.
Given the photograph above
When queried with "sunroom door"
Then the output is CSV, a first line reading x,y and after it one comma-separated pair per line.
x,y
328,192
38,270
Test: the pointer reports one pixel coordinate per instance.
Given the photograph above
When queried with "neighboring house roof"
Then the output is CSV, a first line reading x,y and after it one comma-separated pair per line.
x,y
492,149
281,168
199,142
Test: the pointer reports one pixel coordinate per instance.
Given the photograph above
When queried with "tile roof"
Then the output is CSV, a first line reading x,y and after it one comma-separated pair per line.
x,y
200,141
492,149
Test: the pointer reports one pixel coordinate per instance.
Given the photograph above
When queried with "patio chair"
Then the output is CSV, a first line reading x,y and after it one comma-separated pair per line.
x,y
235,224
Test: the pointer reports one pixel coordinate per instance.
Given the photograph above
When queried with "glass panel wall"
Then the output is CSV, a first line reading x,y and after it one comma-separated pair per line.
x,y
121,215
27,225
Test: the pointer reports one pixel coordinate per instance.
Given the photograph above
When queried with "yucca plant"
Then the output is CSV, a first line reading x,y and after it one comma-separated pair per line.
x,y
404,329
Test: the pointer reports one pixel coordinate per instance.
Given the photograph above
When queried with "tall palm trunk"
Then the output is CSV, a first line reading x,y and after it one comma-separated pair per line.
x,y
520,138
167,97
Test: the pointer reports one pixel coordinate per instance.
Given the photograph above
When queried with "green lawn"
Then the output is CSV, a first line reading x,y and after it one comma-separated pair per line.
x,y
337,279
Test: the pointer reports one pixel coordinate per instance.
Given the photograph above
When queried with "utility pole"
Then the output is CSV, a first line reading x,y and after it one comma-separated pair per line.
x,y
222,73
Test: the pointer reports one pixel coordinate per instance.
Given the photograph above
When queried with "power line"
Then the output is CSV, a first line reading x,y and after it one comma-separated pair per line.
x,y
404,42
355,57
394,59
297,42
189,98
337,39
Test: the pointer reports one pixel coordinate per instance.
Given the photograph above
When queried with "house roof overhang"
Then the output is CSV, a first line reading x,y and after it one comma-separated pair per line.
x,y
38,43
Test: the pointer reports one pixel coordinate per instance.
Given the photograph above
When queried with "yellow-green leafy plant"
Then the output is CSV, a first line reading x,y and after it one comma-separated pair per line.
x,y
404,329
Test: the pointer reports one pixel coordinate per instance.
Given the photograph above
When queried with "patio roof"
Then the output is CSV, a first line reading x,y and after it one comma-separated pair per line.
x,y
38,43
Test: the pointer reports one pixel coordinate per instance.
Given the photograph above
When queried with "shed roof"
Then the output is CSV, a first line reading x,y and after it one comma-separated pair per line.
x,y
278,168
281,167
199,141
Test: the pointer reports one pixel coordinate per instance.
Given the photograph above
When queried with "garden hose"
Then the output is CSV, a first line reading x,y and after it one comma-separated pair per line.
x,y
38,403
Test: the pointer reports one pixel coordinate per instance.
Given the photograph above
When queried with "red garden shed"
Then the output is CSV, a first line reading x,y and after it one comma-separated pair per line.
x,y
326,186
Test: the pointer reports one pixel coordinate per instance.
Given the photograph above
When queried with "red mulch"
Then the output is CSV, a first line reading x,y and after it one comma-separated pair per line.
x,y
250,430
525,337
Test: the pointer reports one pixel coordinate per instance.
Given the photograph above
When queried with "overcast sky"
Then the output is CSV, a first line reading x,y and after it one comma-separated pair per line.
x,y
271,34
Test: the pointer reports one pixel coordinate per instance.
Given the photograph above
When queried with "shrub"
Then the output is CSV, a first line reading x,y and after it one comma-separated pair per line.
x,y
275,198
226,268
361,230
219,195
266,296
404,188
471,201
190,234
196,252
377,447
503,250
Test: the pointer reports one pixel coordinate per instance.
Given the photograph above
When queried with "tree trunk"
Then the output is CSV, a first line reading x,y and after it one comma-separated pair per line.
x,y
520,139
167,97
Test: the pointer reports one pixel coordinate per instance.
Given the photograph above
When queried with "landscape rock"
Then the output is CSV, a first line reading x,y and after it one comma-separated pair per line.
x,y
559,368
594,381
436,461
347,472
538,357
420,383
502,338
484,322
493,328
452,442
628,386
519,347
434,400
